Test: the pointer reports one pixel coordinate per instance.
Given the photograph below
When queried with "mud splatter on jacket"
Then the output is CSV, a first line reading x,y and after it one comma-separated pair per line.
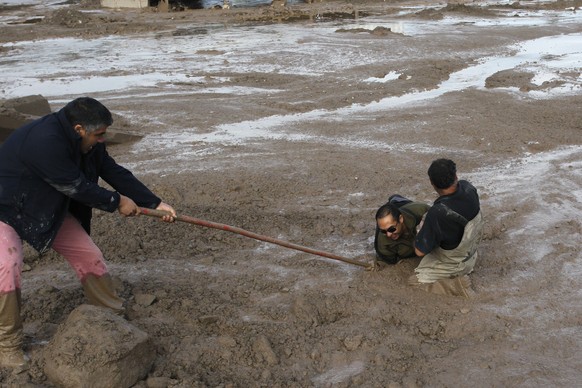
x,y
43,175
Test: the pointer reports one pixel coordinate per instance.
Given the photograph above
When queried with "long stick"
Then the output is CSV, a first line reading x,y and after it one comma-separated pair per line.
x,y
228,228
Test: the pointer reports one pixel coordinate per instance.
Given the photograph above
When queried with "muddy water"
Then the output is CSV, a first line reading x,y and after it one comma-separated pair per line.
x,y
238,3
300,132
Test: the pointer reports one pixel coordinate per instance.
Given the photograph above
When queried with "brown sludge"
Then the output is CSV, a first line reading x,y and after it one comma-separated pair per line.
x,y
228,311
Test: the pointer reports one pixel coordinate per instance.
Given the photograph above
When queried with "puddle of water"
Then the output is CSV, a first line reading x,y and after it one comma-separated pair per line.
x,y
60,73
564,49
52,71
72,85
550,57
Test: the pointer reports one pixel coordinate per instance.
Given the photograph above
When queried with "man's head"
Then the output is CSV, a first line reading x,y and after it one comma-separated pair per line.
x,y
89,119
390,221
442,174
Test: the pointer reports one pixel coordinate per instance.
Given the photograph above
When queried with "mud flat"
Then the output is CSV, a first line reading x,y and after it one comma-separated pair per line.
x,y
297,123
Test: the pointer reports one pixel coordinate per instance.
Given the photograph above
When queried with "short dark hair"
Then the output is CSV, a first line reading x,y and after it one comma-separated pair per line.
x,y
388,209
442,173
89,113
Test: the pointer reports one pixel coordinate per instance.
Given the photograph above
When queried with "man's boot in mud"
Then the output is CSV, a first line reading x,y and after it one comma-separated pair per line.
x,y
11,354
100,291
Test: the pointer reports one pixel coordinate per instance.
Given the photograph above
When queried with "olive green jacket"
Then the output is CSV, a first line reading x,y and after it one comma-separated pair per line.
x,y
391,251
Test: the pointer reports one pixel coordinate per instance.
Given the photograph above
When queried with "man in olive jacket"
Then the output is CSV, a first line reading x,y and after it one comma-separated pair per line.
x,y
49,171
396,227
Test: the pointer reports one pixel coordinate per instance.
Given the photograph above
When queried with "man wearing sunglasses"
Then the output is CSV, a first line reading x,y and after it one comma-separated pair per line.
x,y
396,225
450,234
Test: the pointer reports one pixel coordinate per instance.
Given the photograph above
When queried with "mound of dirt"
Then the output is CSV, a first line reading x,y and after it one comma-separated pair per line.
x,y
510,78
455,8
69,18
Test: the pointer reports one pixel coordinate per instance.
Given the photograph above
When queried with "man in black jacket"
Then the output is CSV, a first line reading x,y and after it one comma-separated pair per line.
x,y
49,170
450,235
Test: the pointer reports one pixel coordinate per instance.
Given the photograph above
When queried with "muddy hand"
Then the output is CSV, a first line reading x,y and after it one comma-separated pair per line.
x,y
127,207
171,217
374,267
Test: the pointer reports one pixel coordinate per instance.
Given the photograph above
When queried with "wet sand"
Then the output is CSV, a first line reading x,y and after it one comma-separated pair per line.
x,y
299,128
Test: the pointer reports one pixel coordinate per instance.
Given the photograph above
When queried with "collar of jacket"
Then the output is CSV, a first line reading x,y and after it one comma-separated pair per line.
x,y
67,126
409,222
70,132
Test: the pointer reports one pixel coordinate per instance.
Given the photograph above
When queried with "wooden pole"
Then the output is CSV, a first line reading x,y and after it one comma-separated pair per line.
x,y
228,228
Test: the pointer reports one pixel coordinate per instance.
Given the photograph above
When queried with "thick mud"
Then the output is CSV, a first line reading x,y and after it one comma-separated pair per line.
x,y
297,124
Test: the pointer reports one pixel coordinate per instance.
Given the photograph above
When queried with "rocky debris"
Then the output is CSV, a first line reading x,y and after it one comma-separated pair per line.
x,y
68,18
35,105
19,111
439,13
379,31
95,347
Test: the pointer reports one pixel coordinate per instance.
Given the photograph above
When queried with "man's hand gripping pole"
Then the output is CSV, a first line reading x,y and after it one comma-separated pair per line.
x,y
228,228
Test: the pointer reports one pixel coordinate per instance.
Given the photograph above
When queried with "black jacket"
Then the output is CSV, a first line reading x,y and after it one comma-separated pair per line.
x,y
445,222
43,175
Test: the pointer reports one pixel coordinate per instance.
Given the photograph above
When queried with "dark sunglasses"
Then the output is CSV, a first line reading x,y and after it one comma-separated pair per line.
x,y
391,229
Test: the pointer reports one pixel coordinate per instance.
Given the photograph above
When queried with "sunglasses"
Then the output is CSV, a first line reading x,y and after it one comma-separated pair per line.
x,y
391,229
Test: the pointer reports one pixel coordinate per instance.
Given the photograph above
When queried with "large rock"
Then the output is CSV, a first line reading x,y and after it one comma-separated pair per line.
x,y
96,348
35,105
18,111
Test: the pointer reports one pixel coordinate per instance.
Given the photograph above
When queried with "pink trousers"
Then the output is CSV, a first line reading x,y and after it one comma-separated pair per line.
x,y
72,242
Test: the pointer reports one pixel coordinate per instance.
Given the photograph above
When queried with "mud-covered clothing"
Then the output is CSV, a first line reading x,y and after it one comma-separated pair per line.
x,y
42,169
452,263
442,226
451,232
391,251
96,164
77,247
72,242
48,188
